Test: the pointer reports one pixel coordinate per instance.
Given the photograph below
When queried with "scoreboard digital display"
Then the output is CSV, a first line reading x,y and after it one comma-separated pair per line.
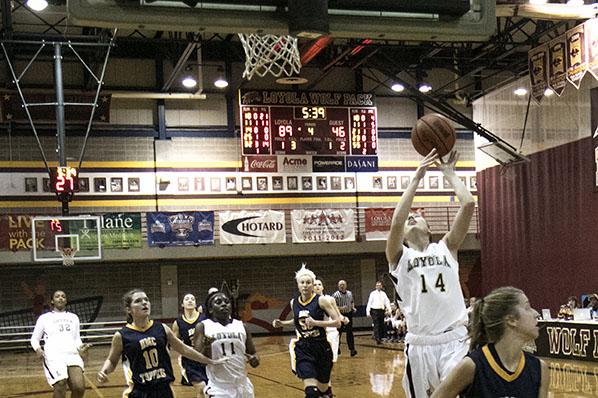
x,y
308,123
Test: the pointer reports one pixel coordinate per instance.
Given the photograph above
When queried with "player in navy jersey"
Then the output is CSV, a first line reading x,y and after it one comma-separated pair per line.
x,y
312,351
503,323
193,373
426,278
143,345
220,336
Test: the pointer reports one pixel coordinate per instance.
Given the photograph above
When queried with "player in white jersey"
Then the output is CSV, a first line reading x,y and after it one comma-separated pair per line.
x,y
62,347
426,277
220,336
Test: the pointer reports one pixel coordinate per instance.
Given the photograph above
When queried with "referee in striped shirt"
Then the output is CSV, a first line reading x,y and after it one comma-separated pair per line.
x,y
346,305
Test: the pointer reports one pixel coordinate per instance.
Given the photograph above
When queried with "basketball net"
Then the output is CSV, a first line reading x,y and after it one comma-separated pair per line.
x,y
68,256
270,54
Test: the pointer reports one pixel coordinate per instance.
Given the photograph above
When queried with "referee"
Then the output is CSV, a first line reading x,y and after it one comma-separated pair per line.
x,y
346,305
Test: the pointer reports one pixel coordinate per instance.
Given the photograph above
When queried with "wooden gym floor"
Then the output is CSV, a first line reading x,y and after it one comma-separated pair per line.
x,y
375,372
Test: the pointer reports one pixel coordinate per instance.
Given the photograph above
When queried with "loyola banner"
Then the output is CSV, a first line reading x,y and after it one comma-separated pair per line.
x,y
246,227
377,223
323,225
180,229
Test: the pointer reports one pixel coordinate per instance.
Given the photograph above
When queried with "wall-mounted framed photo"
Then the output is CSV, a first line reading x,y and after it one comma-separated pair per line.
x,y
391,182
246,184
322,183
83,184
116,184
292,183
262,183
336,183
133,184
306,183
183,184
99,184
30,184
277,183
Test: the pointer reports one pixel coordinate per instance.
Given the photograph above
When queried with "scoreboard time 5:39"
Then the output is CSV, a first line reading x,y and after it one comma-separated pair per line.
x,y
307,123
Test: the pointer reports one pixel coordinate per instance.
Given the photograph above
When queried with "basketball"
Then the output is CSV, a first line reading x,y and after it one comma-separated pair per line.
x,y
433,131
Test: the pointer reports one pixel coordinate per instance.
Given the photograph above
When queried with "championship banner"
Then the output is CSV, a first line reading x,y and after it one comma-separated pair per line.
x,y
323,225
577,64
251,227
592,45
538,73
121,230
15,233
180,229
557,64
377,223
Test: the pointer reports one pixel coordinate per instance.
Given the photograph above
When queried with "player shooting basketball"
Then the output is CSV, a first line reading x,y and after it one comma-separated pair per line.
x,y
426,277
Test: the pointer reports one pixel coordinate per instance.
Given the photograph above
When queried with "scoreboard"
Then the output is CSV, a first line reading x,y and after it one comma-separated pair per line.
x,y
308,123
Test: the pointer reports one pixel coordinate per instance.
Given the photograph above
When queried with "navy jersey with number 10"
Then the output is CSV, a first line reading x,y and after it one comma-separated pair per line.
x,y
145,356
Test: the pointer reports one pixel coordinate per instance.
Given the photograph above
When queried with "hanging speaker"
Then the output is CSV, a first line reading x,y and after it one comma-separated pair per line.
x,y
308,18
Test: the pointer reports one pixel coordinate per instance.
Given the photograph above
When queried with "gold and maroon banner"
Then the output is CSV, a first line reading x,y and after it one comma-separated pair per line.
x,y
557,64
537,59
12,107
592,45
577,64
15,233
377,223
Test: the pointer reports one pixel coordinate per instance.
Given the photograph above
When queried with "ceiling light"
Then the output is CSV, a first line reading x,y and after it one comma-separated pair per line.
x,y
548,92
37,5
520,92
397,87
189,82
538,1
424,88
220,83
575,3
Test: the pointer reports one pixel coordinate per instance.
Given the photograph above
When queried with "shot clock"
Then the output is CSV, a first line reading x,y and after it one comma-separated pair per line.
x,y
308,123
64,181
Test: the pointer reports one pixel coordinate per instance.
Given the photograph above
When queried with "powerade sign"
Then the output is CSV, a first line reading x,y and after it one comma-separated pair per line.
x,y
328,164
356,164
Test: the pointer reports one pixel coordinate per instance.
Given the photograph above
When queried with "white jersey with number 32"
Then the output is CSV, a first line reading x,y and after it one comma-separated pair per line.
x,y
429,291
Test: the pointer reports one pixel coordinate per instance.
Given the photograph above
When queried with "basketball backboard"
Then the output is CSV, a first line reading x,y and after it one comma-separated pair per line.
x,y
79,236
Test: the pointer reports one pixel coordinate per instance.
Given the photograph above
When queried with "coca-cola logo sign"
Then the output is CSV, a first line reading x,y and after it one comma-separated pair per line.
x,y
263,164
267,164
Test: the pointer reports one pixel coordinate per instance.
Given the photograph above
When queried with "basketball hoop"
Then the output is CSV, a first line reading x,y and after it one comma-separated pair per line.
x,y
68,256
270,54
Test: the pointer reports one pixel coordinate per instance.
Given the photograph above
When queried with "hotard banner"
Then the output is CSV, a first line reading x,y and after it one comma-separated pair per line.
x,y
180,229
323,225
250,227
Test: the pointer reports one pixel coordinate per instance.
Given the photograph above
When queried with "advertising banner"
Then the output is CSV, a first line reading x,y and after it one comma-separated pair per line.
x,y
16,235
180,229
247,227
121,230
323,225
568,340
377,223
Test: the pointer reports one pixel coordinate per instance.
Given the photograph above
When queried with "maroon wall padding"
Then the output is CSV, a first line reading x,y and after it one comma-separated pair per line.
x,y
539,225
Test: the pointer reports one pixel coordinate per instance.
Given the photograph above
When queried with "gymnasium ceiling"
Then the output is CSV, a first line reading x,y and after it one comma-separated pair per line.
x,y
475,67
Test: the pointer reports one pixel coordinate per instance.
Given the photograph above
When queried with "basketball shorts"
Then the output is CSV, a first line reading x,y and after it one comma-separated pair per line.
x,y
162,390
237,390
332,336
193,372
313,359
429,364
56,369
